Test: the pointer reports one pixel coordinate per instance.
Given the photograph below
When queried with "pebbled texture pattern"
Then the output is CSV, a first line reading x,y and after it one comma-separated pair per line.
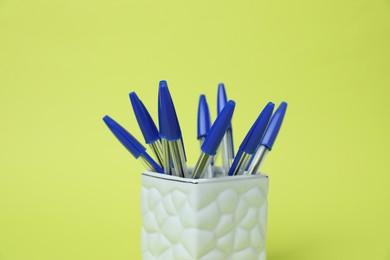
x,y
207,219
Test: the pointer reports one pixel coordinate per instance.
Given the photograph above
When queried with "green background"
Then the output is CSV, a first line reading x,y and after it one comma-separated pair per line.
x,y
68,190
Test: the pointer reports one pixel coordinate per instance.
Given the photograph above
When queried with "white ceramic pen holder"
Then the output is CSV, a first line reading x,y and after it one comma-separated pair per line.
x,y
209,219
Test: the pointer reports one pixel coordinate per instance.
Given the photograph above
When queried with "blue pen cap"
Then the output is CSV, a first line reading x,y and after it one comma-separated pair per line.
x,y
218,129
257,130
274,126
145,121
221,102
221,97
169,124
204,121
159,113
128,141
253,137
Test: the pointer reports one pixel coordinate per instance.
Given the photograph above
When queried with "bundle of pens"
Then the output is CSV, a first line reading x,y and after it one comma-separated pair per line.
x,y
167,144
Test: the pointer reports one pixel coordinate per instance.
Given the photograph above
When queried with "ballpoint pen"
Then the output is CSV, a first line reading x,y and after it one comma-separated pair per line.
x,y
251,141
213,139
227,149
204,123
132,145
147,126
164,142
268,139
170,131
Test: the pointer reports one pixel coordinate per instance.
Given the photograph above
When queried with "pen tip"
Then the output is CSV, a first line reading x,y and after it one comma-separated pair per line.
x,y
253,138
145,121
274,126
107,119
133,98
163,84
221,97
218,129
127,140
231,103
204,121
169,124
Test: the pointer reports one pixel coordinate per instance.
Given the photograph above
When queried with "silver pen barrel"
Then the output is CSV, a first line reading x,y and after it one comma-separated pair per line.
x,y
242,164
157,150
258,160
201,165
209,172
166,157
227,151
146,164
178,158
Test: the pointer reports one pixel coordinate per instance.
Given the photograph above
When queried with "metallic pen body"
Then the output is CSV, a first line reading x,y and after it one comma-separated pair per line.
x,y
242,164
258,159
166,158
157,150
202,164
227,153
209,172
178,158
147,164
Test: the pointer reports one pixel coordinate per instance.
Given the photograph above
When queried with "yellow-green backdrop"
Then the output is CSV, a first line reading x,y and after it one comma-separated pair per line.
x,y
68,190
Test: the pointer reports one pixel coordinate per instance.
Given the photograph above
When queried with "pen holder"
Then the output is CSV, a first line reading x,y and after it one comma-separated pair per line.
x,y
217,218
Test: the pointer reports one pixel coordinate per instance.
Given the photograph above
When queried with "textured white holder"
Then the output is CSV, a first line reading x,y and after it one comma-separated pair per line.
x,y
209,219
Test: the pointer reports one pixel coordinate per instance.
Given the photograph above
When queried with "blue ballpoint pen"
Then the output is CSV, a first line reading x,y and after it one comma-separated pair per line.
x,y
147,126
204,123
251,141
170,131
132,145
227,149
213,139
164,142
268,139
